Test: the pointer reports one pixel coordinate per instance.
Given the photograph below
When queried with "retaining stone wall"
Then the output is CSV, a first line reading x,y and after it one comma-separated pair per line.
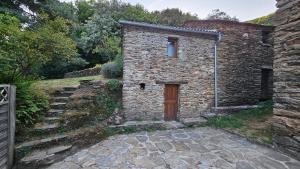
x,y
287,77
83,73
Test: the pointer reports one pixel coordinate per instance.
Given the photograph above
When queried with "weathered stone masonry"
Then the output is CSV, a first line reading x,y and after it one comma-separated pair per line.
x,y
287,77
241,58
146,61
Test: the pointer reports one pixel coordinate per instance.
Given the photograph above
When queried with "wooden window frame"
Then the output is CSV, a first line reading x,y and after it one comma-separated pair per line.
x,y
175,41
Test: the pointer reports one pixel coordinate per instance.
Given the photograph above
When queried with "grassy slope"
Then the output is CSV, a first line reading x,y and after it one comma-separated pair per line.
x,y
55,84
253,123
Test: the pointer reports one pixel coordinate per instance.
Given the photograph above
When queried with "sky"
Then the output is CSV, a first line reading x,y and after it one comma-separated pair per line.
x,y
242,9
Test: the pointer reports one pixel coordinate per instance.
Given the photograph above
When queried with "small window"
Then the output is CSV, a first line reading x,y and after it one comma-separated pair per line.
x,y
265,37
172,47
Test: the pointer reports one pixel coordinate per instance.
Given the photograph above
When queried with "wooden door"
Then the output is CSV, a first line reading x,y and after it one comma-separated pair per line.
x,y
171,102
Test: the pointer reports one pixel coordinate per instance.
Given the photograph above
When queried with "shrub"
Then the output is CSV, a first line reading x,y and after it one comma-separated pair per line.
x,y
31,103
113,85
112,70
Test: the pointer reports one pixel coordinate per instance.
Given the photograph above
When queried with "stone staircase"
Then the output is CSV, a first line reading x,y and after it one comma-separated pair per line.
x,y
49,144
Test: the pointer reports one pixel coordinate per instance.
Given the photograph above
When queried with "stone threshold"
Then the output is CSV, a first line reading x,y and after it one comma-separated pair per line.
x,y
142,125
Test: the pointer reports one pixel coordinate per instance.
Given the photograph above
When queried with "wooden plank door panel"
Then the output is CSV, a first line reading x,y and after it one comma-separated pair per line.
x,y
171,102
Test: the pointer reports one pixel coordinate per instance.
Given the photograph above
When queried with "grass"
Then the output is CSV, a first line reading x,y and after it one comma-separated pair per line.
x,y
254,123
49,86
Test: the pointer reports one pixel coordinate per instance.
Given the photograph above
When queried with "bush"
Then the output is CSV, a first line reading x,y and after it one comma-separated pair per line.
x,y
113,85
31,103
57,67
112,70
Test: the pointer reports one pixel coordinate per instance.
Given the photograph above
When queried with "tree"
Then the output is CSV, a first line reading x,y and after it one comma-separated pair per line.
x,y
84,10
174,17
23,52
217,14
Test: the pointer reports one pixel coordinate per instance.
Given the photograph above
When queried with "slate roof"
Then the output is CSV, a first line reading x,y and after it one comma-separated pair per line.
x,y
170,28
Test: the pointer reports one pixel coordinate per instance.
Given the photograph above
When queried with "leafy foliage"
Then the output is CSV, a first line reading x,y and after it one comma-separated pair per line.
x,y
30,104
264,20
174,17
217,14
113,85
24,52
108,99
111,70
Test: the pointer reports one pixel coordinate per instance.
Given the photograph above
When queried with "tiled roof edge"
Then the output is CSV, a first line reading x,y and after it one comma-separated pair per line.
x,y
170,28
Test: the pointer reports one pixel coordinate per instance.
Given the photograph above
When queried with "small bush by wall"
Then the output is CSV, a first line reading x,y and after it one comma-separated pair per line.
x,y
112,70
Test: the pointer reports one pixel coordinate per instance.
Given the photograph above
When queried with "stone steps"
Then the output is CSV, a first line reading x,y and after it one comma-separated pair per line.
x,y
70,88
40,143
58,105
63,93
61,99
48,145
44,157
51,120
54,113
45,128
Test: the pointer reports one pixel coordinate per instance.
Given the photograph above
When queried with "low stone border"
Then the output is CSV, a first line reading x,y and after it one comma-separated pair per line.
x,y
85,72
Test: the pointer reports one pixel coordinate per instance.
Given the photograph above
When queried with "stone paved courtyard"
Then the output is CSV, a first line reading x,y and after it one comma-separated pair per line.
x,y
202,148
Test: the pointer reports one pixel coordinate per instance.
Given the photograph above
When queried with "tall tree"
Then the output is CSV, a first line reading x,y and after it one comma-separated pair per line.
x,y
84,9
174,17
217,14
23,52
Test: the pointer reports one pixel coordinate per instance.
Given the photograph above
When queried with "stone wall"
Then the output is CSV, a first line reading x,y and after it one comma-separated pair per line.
x,y
146,61
83,73
241,57
287,77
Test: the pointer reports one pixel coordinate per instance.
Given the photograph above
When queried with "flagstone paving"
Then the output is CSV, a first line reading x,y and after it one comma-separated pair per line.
x,y
203,148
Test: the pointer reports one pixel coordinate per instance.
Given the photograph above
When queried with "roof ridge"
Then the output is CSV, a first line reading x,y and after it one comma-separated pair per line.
x,y
173,28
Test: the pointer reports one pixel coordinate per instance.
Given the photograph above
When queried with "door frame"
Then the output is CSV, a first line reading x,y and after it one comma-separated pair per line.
x,y
178,103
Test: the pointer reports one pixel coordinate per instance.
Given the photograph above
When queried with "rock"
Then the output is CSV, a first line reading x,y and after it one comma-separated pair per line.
x,y
193,121
164,146
116,118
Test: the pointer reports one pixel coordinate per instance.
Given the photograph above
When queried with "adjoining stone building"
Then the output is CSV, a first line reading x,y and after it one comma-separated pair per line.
x,y
244,63
169,72
287,77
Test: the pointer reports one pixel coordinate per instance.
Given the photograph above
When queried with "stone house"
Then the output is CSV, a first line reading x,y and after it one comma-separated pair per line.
x,y
172,73
245,61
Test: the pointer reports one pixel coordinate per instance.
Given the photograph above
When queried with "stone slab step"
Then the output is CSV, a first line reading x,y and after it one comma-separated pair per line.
x,y
45,157
54,113
41,142
57,105
141,125
194,121
51,120
61,99
70,88
46,126
63,93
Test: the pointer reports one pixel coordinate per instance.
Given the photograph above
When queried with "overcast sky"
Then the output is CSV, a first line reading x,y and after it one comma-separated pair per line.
x,y
242,9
